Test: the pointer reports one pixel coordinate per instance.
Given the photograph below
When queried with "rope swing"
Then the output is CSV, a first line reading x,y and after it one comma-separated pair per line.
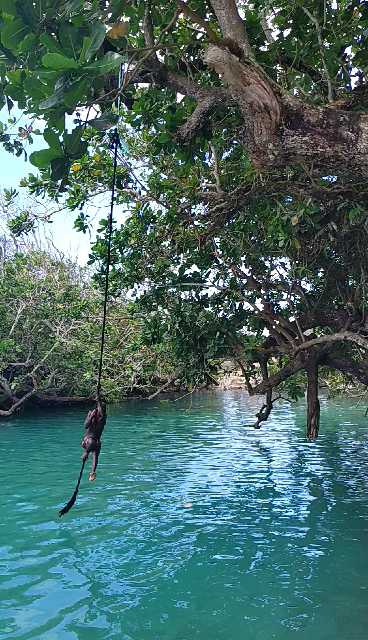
x,y
96,419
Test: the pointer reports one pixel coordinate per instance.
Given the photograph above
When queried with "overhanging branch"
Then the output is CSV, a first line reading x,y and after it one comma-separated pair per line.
x,y
231,24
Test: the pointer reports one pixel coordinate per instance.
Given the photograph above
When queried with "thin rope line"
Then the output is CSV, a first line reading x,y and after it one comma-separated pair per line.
x,y
115,145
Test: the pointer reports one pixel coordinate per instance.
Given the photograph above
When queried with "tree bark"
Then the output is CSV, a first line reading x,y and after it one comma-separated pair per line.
x,y
231,24
280,129
7,413
297,364
313,407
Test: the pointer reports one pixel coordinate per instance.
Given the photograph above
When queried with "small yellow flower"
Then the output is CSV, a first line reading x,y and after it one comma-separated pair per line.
x,y
76,166
96,172
96,157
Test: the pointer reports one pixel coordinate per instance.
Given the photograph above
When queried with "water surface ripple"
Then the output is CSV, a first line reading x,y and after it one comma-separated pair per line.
x,y
198,527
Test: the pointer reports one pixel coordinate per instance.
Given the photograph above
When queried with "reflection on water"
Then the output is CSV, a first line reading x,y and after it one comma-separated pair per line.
x,y
197,526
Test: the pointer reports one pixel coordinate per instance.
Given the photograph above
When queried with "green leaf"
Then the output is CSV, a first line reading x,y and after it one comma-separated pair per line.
x,y
163,138
59,168
28,43
76,93
26,11
58,62
43,158
52,140
93,43
55,99
13,33
57,121
34,88
108,63
15,77
74,146
50,43
8,6
87,41
15,92
70,39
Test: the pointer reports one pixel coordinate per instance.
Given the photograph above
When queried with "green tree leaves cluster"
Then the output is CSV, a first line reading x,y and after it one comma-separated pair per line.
x,y
53,60
50,336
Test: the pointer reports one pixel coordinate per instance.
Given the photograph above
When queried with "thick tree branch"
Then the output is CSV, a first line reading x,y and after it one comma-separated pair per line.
x,y
266,28
6,389
216,168
148,26
207,103
335,337
168,382
52,400
231,24
6,413
266,409
273,381
278,130
255,96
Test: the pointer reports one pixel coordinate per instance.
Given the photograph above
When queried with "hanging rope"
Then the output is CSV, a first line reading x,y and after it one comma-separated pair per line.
x,y
115,146
96,419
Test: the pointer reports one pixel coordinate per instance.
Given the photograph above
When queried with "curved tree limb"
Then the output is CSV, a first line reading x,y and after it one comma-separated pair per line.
x,y
283,374
6,413
342,336
231,24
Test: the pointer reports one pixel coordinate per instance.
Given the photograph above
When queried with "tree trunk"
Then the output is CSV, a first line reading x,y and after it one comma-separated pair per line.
x,y
313,408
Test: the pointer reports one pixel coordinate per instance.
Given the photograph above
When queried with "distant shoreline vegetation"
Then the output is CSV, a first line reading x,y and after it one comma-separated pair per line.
x,y
50,314
49,338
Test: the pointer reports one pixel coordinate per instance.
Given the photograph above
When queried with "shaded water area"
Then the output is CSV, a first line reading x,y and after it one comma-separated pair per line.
x,y
274,545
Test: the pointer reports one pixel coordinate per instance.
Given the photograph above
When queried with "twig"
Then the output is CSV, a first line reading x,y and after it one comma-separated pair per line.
x,y
216,168
164,386
194,17
9,412
314,20
267,30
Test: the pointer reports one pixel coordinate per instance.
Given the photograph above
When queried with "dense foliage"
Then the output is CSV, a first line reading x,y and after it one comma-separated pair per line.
x,y
242,169
50,337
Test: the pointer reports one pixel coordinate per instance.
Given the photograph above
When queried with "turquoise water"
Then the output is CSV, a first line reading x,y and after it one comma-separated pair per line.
x,y
274,545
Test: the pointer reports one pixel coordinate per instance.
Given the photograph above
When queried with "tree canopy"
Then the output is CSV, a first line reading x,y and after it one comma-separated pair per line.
x,y
50,330
243,168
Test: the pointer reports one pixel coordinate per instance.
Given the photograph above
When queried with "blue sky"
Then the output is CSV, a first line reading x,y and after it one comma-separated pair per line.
x,y
64,237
